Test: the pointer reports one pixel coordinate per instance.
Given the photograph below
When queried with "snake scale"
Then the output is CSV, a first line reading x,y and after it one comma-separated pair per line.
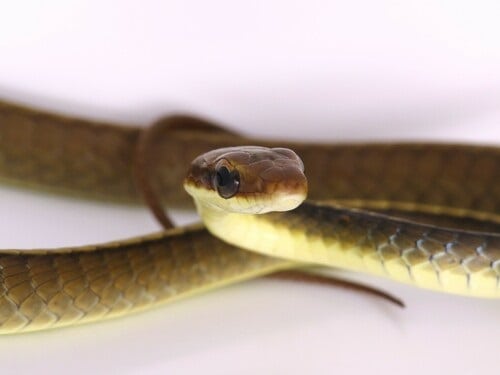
x,y
51,288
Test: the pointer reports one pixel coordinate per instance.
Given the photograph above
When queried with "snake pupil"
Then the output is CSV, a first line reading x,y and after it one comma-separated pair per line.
x,y
226,182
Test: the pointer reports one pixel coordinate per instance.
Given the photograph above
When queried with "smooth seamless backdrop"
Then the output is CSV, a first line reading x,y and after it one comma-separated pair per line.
x,y
324,70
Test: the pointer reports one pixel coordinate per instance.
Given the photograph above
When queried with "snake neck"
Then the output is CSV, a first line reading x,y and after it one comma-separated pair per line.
x,y
419,254
275,234
246,231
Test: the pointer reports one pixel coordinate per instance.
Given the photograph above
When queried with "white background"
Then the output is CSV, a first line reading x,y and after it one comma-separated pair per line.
x,y
330,70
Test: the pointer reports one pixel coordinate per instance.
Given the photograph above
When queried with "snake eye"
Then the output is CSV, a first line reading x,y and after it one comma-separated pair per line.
x,y
226,182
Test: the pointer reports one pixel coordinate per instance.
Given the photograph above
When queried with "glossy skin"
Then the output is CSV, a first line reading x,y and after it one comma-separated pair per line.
x,y
60,287
84,158
93,159
423,254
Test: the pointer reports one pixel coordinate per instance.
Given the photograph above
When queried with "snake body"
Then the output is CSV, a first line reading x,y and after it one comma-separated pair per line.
x,y
436,258
54,288
48,289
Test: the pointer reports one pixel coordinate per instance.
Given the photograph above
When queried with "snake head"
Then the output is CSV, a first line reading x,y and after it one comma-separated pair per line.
x,y
247,179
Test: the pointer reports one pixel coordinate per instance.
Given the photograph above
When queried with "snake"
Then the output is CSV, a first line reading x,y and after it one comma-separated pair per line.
x,y
421,213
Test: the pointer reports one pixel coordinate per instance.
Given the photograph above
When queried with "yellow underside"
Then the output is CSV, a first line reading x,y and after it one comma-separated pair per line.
x,y
252,233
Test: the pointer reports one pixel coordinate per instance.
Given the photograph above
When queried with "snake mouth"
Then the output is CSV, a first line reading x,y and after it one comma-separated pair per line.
x,y
288,202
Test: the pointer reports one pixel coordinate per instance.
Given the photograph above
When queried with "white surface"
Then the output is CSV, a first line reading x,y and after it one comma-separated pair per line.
x,y
309,69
